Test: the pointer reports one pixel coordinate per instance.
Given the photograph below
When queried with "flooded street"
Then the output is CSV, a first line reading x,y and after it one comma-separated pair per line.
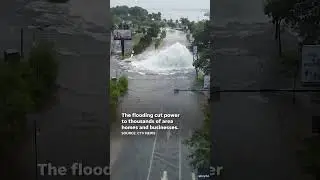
x,y
153,76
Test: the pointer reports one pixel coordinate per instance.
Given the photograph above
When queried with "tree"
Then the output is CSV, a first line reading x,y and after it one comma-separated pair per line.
x,y
171,24
200,143
157,43
154,30
163,34
184,21
202,39
138,12
159,16
305,19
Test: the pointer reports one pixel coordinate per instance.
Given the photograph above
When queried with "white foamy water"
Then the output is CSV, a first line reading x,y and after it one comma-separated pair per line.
x,y
169,60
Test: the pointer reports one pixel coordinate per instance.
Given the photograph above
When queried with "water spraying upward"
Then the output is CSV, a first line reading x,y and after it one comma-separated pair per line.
x,y
172,59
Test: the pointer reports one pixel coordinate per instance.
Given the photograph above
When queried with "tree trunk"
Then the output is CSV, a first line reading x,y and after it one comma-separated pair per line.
x,y
279,39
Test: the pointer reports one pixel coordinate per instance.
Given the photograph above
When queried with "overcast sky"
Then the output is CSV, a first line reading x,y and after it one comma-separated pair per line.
x,y
170,8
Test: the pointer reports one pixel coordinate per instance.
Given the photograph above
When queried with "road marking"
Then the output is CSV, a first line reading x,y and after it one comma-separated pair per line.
x,y
164,176
193,175
152,154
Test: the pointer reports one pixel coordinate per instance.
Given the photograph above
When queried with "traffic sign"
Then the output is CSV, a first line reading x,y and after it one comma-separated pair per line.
x,y
206,82
310,67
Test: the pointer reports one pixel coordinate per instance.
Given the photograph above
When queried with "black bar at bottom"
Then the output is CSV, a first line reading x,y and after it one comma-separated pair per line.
x,y
253,90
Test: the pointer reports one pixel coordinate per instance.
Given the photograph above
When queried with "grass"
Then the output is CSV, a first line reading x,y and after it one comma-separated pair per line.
x,y
118,88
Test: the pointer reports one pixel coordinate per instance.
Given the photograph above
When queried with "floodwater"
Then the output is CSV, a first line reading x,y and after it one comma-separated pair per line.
x,y
153,76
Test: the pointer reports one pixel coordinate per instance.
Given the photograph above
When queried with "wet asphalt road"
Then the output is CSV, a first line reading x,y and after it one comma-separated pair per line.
x,y
142,156
147,158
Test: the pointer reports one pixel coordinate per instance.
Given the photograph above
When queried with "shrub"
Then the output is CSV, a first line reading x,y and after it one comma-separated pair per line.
x,y
200,143
157,43
123,85
25,86
15,103
44,70
117,88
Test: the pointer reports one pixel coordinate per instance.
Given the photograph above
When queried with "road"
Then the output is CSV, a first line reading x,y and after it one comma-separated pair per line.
x,y
148,157
164,155
255,135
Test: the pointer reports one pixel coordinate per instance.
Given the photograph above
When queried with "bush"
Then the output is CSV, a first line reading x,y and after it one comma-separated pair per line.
x,y
200,144
117,88
16,101
163,34
25,86
157,43
44,70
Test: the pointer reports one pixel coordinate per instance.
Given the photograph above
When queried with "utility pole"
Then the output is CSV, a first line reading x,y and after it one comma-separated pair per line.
x,y
122,47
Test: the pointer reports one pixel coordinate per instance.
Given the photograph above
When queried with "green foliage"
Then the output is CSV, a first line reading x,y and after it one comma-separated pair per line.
x,y
184,21
25,86
201,34
117,89
188,37
203,62
44,69
301,15
157,43
137,15
163,34
123,85
143,22
146,40
154,30
305,19
171,24
200,144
